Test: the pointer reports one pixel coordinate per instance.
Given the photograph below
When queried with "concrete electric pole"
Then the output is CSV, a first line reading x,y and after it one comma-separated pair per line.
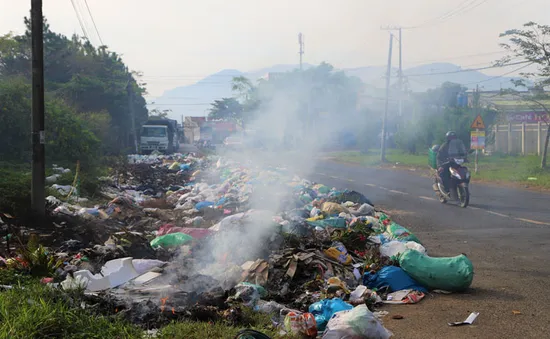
x,y
385,121
38,198
301,42
400,73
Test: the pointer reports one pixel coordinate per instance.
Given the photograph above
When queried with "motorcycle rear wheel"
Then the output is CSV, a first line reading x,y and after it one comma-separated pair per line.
x,y
464,196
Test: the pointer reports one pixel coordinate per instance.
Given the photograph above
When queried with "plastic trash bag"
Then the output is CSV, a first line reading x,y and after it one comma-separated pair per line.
x,y
332,208
338,252
297,323
330,222
363,210
171,240
249,293
356,323
394,277
353,196
322,189
203,204
324,310
398,232
79,282
453,274
394,248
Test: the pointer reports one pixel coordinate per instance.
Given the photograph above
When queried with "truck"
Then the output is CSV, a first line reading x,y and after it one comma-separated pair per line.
x,y
159,134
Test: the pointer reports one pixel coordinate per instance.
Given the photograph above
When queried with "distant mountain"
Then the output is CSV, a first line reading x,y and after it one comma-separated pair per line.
x,y
194,100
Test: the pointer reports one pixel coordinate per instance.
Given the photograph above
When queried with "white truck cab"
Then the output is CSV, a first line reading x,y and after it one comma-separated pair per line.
x,y
154,138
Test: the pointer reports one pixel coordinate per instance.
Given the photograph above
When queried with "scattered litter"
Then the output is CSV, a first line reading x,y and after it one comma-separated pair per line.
x,y
356,323
470,320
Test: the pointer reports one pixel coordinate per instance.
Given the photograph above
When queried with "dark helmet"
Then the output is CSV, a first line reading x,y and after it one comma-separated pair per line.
x,y
435,148
450,135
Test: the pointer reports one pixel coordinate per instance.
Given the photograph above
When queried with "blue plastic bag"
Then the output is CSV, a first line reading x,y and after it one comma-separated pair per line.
x,y
324,310
221,201
203,204
394,277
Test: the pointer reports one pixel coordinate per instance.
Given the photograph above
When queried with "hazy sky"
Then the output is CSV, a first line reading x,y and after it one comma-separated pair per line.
x,y
177,42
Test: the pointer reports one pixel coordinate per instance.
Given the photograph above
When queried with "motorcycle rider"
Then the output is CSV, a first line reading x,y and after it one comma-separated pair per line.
x,y
443,163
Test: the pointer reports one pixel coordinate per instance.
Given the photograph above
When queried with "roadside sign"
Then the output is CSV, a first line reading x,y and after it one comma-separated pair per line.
x,y
477,140
478,123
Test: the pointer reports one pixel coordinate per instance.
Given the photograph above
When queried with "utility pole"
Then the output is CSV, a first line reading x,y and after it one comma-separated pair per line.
x,y
38,196
399,29
301,42
400,75
477,129
131,108
385,121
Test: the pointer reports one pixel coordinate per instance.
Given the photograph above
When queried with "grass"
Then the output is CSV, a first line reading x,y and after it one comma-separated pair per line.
x,y
199,330
372,158
495,168
37,311
32,310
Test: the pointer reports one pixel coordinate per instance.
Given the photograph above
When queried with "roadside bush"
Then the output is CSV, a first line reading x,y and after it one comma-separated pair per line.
x,y
15,190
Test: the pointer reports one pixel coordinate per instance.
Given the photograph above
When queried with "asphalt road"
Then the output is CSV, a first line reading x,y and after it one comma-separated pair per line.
x,y
505,232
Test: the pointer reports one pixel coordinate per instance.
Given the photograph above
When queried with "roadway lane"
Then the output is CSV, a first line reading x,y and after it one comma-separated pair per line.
x,y
520,205
506,234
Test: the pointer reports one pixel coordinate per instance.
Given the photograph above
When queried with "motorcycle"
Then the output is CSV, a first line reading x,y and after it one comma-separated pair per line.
x,y
459,184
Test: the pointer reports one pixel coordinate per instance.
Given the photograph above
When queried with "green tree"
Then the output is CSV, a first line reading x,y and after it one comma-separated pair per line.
x,y
437,112
227,109
532,44
160,113
88,78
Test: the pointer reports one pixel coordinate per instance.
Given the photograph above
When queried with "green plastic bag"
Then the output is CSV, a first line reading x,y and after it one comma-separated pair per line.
x,y
400,233
453,274
330,222
171,240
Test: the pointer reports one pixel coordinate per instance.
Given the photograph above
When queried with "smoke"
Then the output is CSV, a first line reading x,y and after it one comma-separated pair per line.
x,y
289,131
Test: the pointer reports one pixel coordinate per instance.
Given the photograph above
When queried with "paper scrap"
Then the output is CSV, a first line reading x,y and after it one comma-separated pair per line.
x,y
470,320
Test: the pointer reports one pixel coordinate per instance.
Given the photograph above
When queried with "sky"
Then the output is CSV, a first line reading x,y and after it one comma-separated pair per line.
x,y
175,42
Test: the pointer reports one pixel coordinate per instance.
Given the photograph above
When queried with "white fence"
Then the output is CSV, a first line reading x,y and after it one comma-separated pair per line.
x,y
519,138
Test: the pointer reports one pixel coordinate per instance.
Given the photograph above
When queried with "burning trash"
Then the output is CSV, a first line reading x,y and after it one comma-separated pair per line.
x,y
174,245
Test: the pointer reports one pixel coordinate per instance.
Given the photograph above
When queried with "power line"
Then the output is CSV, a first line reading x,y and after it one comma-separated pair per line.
x,y
470,69
500,76
93,22
459,57
80,21
462,8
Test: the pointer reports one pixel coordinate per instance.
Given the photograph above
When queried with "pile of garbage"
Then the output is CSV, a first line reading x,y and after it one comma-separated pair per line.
x,y
183,237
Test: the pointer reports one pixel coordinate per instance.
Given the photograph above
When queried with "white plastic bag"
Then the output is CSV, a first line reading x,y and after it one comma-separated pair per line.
x,y
395,247
356,323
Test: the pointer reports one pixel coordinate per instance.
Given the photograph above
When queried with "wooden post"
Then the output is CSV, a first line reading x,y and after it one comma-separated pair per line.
x,y
477,153
509,138
496,137
523,138
539,138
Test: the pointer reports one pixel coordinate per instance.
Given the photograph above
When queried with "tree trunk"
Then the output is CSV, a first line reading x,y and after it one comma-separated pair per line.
x,y
545,149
